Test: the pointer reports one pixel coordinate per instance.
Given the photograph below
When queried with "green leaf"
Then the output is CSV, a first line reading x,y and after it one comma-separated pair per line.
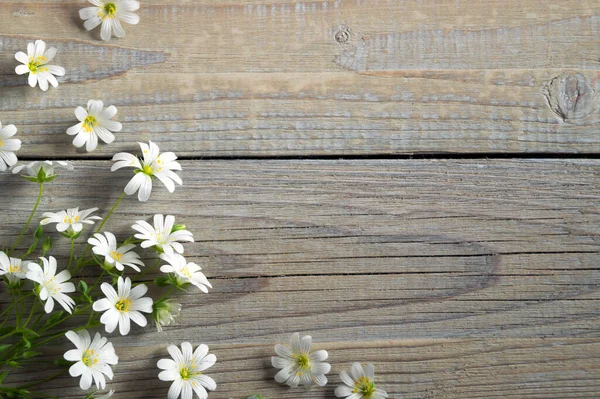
x,y
30,354
4,347
82,287
3,376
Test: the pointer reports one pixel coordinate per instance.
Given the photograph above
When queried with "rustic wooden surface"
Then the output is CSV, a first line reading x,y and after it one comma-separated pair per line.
x,y
463,277
457,278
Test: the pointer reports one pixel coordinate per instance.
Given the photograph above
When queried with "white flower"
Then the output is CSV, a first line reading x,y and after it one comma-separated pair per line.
x,y
71,220
359,384
122,306
93,123
42,171
185,272
106,245
12,268
35,62
165,235
8,146
186,370
153,164
165,312
298,365
110,14
93,359
52,285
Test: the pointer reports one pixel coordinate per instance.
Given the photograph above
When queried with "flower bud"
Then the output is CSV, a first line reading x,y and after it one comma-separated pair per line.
x,y
39,232
47,245
165,312
177,227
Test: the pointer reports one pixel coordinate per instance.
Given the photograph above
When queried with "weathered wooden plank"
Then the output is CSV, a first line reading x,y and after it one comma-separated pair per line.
x,y
411,369
360,77
421,249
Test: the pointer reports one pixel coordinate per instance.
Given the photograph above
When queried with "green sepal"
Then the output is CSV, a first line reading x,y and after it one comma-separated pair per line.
x,y
39,232
162,281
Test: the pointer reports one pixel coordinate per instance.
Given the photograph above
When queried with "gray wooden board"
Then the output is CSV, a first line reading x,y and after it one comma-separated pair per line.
x,y
474,278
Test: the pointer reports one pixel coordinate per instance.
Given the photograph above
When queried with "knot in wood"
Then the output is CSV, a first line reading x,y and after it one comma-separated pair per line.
x,y
342,34
571,97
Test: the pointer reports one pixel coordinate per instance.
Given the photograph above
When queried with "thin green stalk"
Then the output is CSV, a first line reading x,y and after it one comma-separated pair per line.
x,y
87,247
31,313
37,203
44,380
149,269
71,253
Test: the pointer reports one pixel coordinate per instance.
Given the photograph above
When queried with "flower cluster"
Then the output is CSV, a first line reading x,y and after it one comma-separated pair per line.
x,y
299,366
119,296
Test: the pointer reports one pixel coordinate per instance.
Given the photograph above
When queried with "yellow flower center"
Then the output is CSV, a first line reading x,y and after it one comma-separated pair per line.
x,y
302,362
116,256
123,305
186,272
89,123
147,169
365,387
13,268
52,286
109,10
70,220
1,143
187,372
36,64
90,357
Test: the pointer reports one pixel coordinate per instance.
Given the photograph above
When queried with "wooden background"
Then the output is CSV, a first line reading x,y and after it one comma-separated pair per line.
x,y
467,271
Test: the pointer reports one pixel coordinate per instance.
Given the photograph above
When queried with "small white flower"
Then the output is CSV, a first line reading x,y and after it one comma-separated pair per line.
x,y
186,272
35,62
52,285
42,171
93,123
359,384
110,14
12,268
165,312
165,235
8,146
93,359
70,221
153,164
122,306
106,245
298,365
186,370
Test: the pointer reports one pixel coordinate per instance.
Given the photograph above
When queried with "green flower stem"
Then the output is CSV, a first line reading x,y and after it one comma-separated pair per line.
x,y
75,313
71,253
14,303
37,203
87,247
149,269
52,337
44,380
31,313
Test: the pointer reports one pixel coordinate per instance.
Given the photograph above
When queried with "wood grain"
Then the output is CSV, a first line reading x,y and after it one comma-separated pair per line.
x,y
457,278
406,368
317,78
